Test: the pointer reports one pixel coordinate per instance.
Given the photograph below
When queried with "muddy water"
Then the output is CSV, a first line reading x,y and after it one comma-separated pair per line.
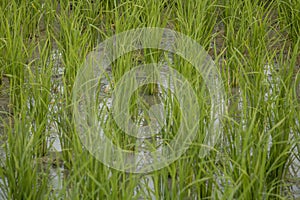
x,y
57,169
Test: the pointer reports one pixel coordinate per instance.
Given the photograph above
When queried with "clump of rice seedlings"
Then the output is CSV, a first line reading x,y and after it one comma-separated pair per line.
x,y
260,131
289,12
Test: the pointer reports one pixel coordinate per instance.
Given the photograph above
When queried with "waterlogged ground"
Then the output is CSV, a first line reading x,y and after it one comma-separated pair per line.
x,y
58,170
54,157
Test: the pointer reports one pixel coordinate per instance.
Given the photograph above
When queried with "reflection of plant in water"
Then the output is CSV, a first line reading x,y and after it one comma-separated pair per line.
x,y
260,133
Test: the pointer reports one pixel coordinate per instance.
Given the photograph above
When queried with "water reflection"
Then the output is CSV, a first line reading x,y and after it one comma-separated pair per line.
x,y
58,173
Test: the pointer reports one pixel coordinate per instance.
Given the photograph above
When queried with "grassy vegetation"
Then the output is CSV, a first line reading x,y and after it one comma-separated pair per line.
x,y
261,129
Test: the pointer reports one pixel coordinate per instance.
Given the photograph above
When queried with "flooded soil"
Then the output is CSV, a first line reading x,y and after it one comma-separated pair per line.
x,y
54,156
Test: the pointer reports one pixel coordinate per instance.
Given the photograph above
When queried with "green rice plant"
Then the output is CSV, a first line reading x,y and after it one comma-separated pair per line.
x,y
13,49
260,130
39,75
283,122
289,12
73,42
246,24
196,19
22,175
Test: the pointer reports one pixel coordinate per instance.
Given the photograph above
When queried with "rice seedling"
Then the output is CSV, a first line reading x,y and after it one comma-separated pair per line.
x,y
255,46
